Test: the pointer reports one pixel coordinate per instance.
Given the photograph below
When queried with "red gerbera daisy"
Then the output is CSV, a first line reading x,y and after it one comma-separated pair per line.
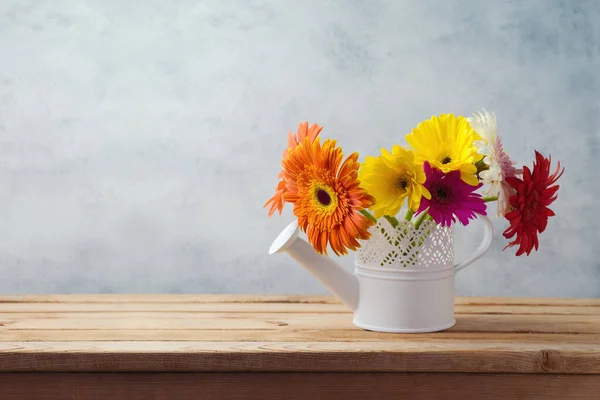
x,y
532,196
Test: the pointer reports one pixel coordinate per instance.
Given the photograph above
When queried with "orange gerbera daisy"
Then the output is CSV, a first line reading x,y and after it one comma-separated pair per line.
x,y
304,132
327,196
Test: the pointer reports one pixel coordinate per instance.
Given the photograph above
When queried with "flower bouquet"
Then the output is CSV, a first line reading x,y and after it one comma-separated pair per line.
x,y
450,158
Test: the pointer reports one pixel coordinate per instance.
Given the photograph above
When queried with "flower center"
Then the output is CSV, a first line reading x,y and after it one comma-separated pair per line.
x,y
442,194
402,182
323,197
446,160
529,211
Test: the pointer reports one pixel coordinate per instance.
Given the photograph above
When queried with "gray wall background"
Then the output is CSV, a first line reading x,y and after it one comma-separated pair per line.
x,y
139,140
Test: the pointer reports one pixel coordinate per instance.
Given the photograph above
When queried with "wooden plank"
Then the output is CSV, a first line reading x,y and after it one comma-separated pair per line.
x,y
293,299
321,308
526,309
284,321
268,335
382,356
119,308
534,301
168,298
292,386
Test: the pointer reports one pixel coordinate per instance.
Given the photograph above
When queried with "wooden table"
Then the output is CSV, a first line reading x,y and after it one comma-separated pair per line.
x,y
180,347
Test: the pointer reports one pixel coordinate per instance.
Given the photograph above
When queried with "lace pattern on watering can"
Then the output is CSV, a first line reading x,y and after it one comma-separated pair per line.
x,y
406,247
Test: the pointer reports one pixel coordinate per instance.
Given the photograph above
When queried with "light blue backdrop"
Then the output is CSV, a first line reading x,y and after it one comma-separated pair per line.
x,y
139,140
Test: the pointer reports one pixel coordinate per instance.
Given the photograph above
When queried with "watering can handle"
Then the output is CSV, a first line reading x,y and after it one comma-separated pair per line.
x,y
488,235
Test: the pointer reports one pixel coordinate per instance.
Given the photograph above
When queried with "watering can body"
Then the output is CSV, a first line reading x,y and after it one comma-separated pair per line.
x,y
385,299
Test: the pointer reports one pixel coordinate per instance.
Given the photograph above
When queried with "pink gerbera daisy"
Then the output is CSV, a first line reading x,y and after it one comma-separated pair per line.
x,y
450,197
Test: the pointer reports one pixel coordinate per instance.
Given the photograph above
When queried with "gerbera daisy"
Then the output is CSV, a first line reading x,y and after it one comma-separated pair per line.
x,y
304,132
327,195
530,212
446,142
499,165
450,197
393,178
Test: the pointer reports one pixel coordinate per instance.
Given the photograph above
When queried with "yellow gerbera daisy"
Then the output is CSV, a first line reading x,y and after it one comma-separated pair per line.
x,y
393,178
446,142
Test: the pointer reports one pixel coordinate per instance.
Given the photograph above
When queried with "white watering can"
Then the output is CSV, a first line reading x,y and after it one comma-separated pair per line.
x,y
403,279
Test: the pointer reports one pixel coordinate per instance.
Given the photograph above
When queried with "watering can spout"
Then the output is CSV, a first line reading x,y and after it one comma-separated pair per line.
x,y
333,276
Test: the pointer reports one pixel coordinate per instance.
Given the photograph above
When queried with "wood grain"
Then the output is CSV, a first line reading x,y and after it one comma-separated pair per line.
x,y
293,299
167,298
321,308
399,356
292,386
298,335
509,323
230,333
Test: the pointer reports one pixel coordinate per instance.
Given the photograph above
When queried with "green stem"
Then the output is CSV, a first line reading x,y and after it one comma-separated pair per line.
x,y
420,220
491,198
427,218
368,215
409,214
392,220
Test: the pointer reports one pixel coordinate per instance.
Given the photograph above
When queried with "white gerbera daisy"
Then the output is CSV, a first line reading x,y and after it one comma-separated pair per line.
x,y
484,123
499,164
